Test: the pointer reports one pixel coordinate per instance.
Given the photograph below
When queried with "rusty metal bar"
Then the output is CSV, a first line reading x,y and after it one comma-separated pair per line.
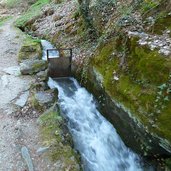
x,y
59,49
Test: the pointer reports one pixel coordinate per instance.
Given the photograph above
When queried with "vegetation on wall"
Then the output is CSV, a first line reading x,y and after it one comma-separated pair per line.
x,y
142,84
34,11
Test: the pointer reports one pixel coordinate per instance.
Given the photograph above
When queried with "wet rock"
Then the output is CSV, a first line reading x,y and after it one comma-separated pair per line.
x,y
29,67
27,158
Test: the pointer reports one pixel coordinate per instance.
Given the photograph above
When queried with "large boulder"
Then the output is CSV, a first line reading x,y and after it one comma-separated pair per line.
x,y
31,66
133,89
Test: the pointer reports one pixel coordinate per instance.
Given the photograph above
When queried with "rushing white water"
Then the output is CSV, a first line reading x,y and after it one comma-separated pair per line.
x,y
47,45
95,138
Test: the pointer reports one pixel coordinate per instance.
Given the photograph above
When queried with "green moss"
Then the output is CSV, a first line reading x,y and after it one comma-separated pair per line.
x,y
33,11
149,4
146,65
164,122
35,104
3,19
168,163
52,135
31,48
139,77
162,24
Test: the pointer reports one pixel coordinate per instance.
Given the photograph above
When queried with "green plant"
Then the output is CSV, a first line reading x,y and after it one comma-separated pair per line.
x,y
33,11
147,5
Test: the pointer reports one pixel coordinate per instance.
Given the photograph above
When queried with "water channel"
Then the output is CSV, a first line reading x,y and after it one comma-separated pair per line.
x,y
98,142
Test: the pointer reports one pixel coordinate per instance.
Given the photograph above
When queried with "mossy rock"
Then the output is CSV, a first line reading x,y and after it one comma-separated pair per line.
x,y
138,81
168,164
162,24
53,136
30,67
42,100
31,49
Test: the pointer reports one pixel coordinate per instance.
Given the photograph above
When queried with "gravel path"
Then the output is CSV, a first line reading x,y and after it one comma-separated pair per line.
x,y
16,133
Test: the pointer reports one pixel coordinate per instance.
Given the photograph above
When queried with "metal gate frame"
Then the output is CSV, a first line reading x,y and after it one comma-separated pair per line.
x,y
61,56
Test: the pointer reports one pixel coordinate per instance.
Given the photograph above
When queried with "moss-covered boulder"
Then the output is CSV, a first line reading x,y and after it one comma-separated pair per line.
x,y
30,67
132,82
31,49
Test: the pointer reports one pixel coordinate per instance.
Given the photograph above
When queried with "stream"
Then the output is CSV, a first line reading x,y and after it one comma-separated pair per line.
x,y
97,141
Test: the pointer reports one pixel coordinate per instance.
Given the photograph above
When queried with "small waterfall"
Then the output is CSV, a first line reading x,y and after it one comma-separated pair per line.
x,y
47,45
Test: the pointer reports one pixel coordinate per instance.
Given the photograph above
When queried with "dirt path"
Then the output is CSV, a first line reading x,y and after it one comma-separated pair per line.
x,y
16,133
12,85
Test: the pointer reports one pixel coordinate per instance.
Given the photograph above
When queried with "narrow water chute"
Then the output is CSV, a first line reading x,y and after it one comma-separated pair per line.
x,y
96,139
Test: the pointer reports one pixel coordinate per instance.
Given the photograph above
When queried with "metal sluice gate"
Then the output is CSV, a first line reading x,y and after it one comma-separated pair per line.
x,y
59,64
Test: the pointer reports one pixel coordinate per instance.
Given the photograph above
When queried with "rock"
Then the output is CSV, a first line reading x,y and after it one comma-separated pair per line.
x,y
57,17
42,75
30,50
22,99
27,158
49,11
29,67
42,150
44,99
34,27
39,86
